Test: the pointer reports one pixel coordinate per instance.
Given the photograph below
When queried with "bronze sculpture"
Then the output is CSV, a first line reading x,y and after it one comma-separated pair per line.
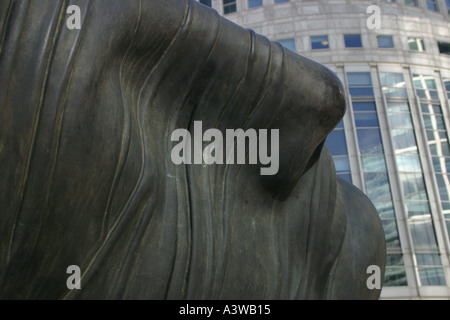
x,y
86,176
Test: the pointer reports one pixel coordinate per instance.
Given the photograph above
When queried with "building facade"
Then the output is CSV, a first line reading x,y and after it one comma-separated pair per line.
x,y
393,143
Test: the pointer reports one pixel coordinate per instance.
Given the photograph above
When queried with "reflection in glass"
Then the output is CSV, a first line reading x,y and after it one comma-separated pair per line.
x,y
288,44
342,164
395,92
395,277
395,274
370,141
359,79
422,233
394,260
431,108
366,119
433,122
390,233
385,41
398,106
404,141
443,181
373,163
377,186
385,209
364,92
413,186
408,163
441,164
390,79
418,208
432,276
319,42
400,120
428,260
364,106
336,143
347,177
439,147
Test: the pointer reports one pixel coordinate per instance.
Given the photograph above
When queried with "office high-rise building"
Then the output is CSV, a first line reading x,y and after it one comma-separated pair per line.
x,y
393,143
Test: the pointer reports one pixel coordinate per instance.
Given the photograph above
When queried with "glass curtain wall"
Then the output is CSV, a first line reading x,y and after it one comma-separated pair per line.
x,y
410,173
373,162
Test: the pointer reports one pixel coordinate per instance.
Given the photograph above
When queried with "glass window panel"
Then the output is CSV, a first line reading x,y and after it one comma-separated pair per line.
x,y
254,3
359,79
413,186
336,143
206,2
395,92
342,164
430,82
426,107
447,83
288,43
398,106
432,276
364,106
428,260
340,125
418,208
347,177
366,119
353,41
394,260
319,42
422,93
419,82
390,79
408,163
433,122
390,233
373,163
229,6
411,2
395,277
432,5
404,141
443,181
431,108
416,44
422,233
361,92
441,164
444,47
369,141
377,186
280,1
385,42
446,209
400,120
433,95
385,209
439,148
437,109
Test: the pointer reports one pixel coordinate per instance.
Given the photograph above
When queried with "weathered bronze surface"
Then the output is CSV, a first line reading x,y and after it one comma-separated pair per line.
x,y
86,176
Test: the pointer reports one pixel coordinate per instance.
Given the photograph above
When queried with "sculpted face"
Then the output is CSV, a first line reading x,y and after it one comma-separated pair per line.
x,y
95,176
